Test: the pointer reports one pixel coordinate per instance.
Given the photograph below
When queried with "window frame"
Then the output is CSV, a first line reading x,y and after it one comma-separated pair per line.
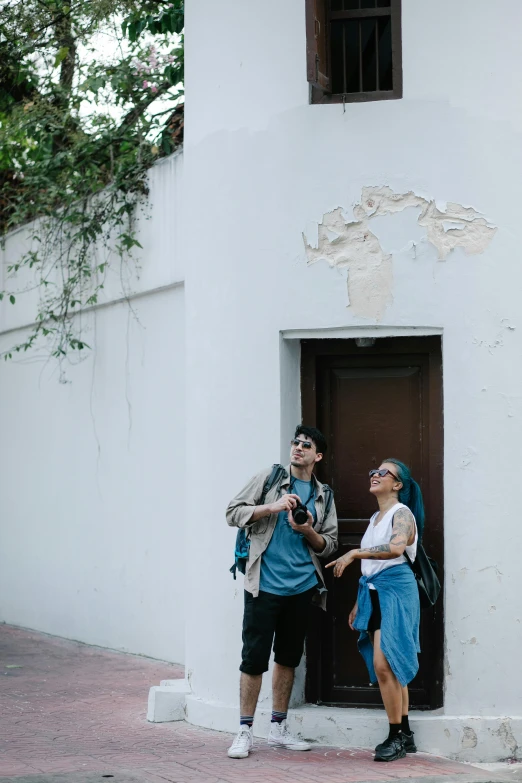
x,y
318,39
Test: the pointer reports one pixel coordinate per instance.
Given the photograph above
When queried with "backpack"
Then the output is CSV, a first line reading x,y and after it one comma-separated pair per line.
x,y
242,548
425,571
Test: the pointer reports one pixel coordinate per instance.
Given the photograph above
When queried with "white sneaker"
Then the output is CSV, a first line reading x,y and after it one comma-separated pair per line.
x,y
243,743
280,735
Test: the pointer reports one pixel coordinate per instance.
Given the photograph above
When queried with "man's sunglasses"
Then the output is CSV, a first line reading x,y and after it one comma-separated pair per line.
x,y
304,443
382,473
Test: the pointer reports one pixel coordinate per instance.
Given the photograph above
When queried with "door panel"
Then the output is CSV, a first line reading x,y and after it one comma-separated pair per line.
x,y
372,403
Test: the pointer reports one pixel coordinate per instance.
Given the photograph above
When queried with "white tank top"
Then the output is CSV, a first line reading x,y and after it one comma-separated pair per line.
x,y
381,534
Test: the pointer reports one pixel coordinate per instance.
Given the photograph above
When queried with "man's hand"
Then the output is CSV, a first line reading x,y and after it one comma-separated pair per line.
x,y
341,563
285,503
351,617
315,540
305,528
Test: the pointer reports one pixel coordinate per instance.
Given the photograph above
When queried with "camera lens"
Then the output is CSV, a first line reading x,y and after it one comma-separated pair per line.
x,y
300,514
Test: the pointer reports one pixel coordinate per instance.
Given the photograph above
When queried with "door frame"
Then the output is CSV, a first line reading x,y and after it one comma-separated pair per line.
x,y
431,346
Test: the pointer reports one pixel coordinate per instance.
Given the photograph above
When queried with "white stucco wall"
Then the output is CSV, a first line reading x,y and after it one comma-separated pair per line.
x,y
262,166
92,469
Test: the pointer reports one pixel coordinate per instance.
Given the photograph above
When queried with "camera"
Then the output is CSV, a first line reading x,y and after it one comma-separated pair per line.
x,y
300,514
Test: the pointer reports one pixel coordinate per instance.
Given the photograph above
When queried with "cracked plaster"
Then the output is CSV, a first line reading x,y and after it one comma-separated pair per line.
x,y
352,246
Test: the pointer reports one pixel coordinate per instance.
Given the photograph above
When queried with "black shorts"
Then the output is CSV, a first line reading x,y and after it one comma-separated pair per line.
x,y
374,623
284,617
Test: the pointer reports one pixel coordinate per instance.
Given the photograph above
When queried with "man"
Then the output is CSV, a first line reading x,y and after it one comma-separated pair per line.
x,y
282,578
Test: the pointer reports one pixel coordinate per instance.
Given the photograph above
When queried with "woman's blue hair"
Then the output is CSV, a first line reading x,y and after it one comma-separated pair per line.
x,y
410,494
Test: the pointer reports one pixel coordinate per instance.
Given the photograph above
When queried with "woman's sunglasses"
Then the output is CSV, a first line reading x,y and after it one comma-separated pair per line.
x,y
382,473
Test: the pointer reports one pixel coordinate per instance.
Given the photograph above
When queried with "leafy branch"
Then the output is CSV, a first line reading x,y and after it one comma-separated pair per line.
x,y
78,134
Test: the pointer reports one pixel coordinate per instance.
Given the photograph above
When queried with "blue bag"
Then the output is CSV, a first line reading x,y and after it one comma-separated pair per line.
x,y
242,538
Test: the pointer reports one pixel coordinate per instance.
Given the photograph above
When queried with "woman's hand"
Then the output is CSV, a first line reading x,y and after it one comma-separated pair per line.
x,y
341,563
351,617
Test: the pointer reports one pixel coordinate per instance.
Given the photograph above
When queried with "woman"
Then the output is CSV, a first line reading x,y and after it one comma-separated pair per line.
x,y
387,610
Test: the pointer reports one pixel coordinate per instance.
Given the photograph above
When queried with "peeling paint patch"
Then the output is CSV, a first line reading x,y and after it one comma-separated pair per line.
x,y
498,340
447,226
507,737
353,247
457,227
496,569
469,738
467,458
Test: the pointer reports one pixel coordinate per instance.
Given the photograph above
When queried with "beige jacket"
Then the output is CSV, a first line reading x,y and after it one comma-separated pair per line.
x,y
239,512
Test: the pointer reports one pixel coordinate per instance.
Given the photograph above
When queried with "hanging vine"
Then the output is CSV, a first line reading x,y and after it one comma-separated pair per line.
x,y
89,98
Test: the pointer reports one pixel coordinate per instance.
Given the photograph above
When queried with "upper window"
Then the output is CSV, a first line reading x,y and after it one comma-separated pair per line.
x,y
354,50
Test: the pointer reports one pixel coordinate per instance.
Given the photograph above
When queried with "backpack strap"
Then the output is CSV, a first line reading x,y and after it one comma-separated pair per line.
x,y
328,500
274,477
328,494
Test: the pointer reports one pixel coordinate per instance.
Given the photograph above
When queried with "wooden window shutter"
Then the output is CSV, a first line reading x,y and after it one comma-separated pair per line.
x,y
317,44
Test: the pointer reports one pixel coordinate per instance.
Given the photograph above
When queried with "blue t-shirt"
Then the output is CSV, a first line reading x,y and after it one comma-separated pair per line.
x,y
286,564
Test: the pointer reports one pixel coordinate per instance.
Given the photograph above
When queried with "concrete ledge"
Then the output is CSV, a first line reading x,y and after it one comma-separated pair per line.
x,y
167,701
485,739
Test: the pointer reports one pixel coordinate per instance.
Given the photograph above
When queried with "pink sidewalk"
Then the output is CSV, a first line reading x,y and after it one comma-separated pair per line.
x,y
67,708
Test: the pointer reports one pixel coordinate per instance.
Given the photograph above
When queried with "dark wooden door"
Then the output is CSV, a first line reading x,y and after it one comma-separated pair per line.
x,y
372,402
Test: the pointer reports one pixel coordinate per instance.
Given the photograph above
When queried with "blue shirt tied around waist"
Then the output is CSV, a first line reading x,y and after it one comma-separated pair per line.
x,y
286,564
400,610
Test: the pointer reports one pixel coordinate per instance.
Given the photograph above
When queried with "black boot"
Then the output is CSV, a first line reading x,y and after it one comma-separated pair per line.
x,y
409,742
391,749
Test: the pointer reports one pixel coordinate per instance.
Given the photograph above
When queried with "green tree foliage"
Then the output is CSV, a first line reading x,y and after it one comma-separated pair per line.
x,y
88,96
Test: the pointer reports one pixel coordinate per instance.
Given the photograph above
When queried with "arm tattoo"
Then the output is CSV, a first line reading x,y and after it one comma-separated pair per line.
x,y
402,530
374,552
403,527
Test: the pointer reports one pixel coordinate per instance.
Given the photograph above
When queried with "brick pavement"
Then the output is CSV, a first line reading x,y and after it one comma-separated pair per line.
x,y
77,714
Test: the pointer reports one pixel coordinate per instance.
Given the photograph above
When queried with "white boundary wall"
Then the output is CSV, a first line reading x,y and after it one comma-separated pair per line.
x,y
92,470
